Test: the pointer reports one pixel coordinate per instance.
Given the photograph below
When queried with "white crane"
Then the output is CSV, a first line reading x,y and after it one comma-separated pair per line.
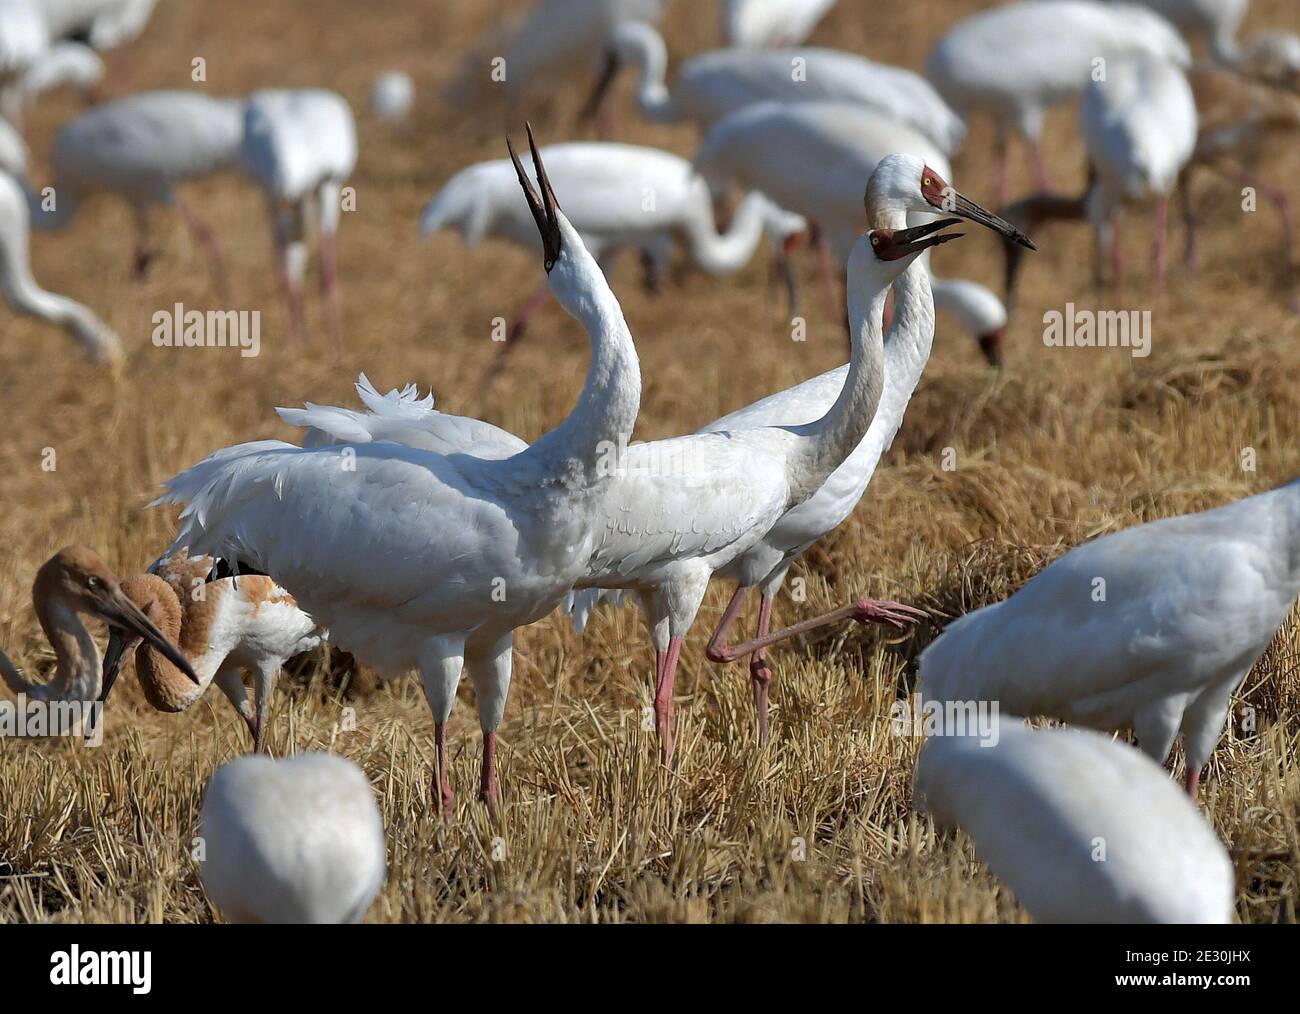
x,y
689,507
25,296
811,158
1235,116
76,582
710,85
900,185
1082,829
392,96
1139,128
64,63
297,841
419,560
1149,629
225,627
551,38
1016,61
616,196
977,309
1271,55
300,146
141,148
766,24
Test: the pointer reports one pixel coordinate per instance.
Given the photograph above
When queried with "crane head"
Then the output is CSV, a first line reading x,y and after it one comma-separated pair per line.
x,y
545,208
943,197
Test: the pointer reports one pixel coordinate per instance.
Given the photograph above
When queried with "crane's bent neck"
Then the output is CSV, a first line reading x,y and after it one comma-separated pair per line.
x,y
731,251
77,672
165,687
832,438
644,48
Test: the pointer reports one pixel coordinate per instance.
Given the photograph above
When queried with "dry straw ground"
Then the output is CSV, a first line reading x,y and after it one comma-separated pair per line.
x,y
1060,446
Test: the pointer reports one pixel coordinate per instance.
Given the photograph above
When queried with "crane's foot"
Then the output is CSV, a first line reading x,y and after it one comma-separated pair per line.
x,y
896,614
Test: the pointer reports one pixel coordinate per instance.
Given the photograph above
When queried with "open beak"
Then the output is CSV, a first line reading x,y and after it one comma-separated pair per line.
x,y
608,71
119,644
912,241
119,611
543,208
956,203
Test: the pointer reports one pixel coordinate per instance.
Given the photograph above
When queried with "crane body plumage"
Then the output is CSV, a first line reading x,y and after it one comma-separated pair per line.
x,y
415,559
1083,829
1150,629
760,24
713,84
295,841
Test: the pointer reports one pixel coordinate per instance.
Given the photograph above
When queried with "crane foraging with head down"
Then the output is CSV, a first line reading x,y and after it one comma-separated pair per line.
x,y
1082,829
1149,629
300,147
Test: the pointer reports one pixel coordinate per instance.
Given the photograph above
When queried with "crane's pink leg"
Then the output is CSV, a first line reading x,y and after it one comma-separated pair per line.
x,y
329,286
207,239
1192,782
534,303
488,791
442,792
1189,221
760,673
1161,236
896,614
715,650
664,698
1116,252
290,288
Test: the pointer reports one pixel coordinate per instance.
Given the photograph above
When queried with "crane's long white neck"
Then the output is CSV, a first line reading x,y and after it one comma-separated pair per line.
x,y
832,438
77,671
907,350
25,296
643,47
578,451
731,251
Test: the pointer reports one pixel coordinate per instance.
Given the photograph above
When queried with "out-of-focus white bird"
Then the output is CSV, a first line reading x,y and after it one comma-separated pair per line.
x,y
418,560
1149,629
300,146
225,627
1083,829
140,148
900,185
1139,129
554,36
25,296
616,196
710,85
977,309
64,63
298,840
392,96
811,158
764,24
1270,55
102,24
1016,61
76,582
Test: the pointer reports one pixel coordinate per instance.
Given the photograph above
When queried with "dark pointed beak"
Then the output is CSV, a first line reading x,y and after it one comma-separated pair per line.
x,y
119,645
120,612
911,241
608,72
544,208
954,202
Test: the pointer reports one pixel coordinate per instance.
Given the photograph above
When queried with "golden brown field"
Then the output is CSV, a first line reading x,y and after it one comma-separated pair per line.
x,y
1061,445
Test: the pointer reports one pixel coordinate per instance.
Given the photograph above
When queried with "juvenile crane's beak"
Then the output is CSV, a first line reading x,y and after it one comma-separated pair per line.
x,y
121,613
